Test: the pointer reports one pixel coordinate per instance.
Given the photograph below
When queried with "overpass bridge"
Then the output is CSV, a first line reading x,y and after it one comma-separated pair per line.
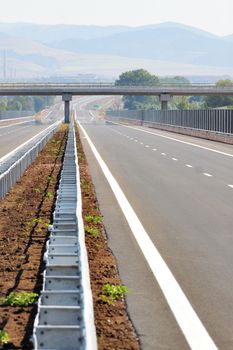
x,y
164,92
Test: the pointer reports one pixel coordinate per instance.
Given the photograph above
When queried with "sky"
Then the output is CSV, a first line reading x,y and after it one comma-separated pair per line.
x,y
215,16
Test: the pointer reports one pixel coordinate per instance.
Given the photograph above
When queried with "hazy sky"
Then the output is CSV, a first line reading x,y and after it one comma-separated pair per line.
x,y
215,16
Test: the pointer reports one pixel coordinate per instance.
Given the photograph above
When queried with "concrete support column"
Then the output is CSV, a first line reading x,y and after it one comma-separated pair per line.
x,y
164,99
67,98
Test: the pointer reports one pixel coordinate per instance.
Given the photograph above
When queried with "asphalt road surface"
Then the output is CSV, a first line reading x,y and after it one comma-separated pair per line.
x,y
19,131
181,189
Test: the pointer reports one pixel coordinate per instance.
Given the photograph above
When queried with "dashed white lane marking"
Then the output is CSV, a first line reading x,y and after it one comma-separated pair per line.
x,y
174,159
163,154
141,143
177,140
191,326
154,149
207,174
231,186
136,140
188,165
147,146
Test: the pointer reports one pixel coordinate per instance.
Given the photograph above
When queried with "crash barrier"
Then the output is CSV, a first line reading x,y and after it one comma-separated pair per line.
x,y
13,165
65,317
213,124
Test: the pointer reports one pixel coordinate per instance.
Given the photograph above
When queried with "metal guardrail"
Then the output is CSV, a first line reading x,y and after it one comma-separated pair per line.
x,y
13,165
213,120
65,311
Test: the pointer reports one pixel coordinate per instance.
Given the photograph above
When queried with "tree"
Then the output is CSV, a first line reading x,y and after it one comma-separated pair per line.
x,y
220,101
138,77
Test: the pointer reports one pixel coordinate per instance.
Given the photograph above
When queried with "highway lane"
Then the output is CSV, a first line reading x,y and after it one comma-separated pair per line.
x,y
183,197
18,132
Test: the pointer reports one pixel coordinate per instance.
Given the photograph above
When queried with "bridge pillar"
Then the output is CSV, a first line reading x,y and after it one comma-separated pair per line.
x,y
164,99
67,98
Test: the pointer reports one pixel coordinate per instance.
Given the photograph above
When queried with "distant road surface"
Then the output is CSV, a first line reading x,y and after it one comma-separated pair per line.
x,y
15,132
181,189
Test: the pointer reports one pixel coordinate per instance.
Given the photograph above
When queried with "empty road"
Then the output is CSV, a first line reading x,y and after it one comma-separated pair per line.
x,y
181,190
15,132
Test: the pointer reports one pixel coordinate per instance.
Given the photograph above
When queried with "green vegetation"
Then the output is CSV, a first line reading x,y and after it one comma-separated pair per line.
x,y
4,337
20,299
25,103
36,220
139,77
49,195
95,219
92,231
112,292
220,101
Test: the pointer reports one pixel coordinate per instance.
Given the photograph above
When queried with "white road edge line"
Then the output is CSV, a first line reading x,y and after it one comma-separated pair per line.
x,y
173,139
24,122
191,326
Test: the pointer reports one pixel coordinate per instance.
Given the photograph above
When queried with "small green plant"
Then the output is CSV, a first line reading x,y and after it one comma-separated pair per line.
x,y
113,292
49,178
37,190
95,219
4,337
47,224
49,195
36,221
20,299
92,231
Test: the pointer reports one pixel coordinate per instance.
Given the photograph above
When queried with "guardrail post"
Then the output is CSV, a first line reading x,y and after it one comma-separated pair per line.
x,y
67,98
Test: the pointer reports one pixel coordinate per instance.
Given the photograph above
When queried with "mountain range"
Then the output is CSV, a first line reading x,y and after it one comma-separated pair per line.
x,y
34,50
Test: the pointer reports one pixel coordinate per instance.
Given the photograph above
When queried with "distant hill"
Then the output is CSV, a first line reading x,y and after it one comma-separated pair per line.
x,y
35,50
162,43
229,38
49,34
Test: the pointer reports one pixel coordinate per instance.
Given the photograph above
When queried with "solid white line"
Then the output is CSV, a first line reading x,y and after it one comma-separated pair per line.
x,y
191,326
177,140
188,166
25,143
8,126
231,186
174,159
208,175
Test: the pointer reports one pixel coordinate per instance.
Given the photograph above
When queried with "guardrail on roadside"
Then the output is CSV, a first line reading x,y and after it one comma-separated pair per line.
x,y
13,165
65,318
211,120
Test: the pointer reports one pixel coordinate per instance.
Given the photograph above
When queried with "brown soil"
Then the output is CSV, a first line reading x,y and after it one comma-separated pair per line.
x,y
24,215
114,329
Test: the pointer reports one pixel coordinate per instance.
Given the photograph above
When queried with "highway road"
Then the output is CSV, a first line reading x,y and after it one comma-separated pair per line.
x,y
15,132
181,192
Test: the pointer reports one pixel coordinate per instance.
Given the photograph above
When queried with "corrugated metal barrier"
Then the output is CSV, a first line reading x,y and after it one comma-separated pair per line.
x,y
65,317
